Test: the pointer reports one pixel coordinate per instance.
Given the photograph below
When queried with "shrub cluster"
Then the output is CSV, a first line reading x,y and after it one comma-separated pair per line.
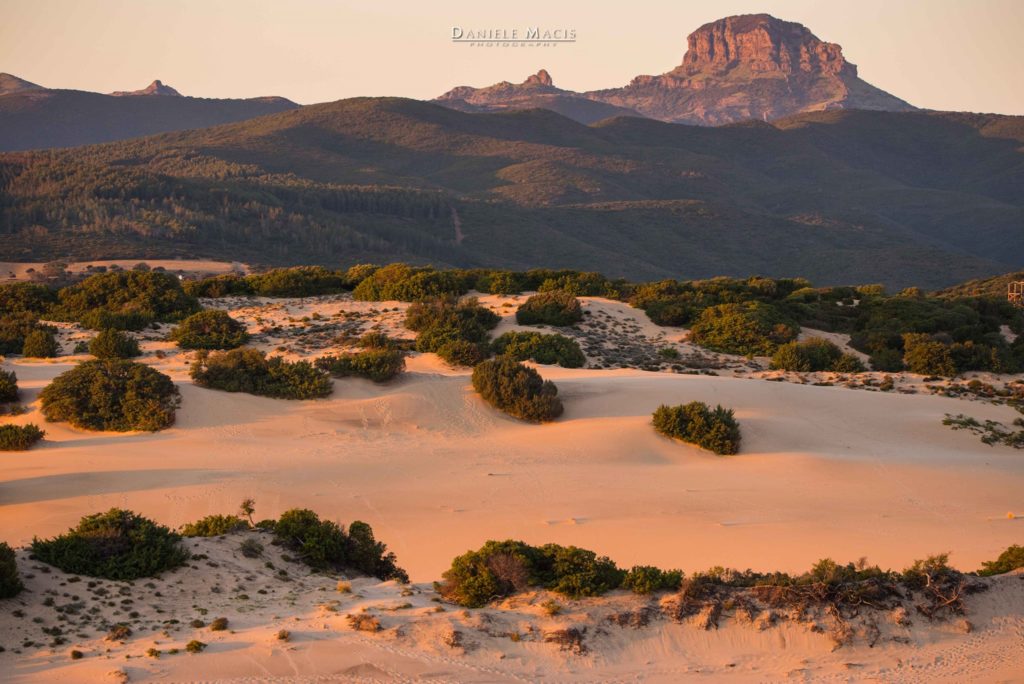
x,y
298,281
18,298
325,545
712,429
500,569
214,526
815,354
671,302
410,284
112,394
116,545
1010,559
648,579
19,437
126,300
750,328
8,386
210,329
40,343
377,364
456,330
114,344
250,371
10,580
517,390
555,307
547,349
14,328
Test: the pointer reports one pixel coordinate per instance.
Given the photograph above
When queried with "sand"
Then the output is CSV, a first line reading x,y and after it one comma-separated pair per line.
x,y
823,471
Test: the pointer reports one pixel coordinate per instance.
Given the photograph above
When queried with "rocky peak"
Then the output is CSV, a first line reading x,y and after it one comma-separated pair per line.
x,y
542,77
762,43
154,88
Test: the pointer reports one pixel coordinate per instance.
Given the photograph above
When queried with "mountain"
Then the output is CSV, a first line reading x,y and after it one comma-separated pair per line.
x,y
154,88
536,92
743,67
34,117
904,198
12,84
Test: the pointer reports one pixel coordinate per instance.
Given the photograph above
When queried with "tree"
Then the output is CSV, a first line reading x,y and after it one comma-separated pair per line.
x,y
8,386
752,327
556,307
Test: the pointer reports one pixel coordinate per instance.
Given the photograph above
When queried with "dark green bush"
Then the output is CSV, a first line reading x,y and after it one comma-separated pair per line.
x,y
112,394
8,386
815,354
10,581
500,569
210,329
440,322
463,352
548,349
647,579
517,390
116,545
324,545
579,284
927,357
126,300
299,281
18,298
214,526
556,307
19,437
849,363
224,285
114,344
887,361
1010,559
250,371
751,328
712,429
40,343
379,364
409,284
13,330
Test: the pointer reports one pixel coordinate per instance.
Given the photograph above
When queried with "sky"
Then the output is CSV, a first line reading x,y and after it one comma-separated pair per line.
x,y
938,54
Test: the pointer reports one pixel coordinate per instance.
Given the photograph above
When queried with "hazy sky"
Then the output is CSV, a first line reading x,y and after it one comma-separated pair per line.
x,y
941,54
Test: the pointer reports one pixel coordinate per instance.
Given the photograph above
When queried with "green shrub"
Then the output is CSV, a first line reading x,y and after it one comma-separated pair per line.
x,y
40,343
195,646
440,323
547,349
250,371
577,284
112,394
517,390
810,355
210,329
32,298
500,569
19,437
214,526
712,429
463,352
750,328
379,364
126,300
219,624
887,361
114,344
647,579
927,357
10,581
13,330
323,544
1010,559
223,285
409,284
849,363
556,307
299,281
8,386
116,545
